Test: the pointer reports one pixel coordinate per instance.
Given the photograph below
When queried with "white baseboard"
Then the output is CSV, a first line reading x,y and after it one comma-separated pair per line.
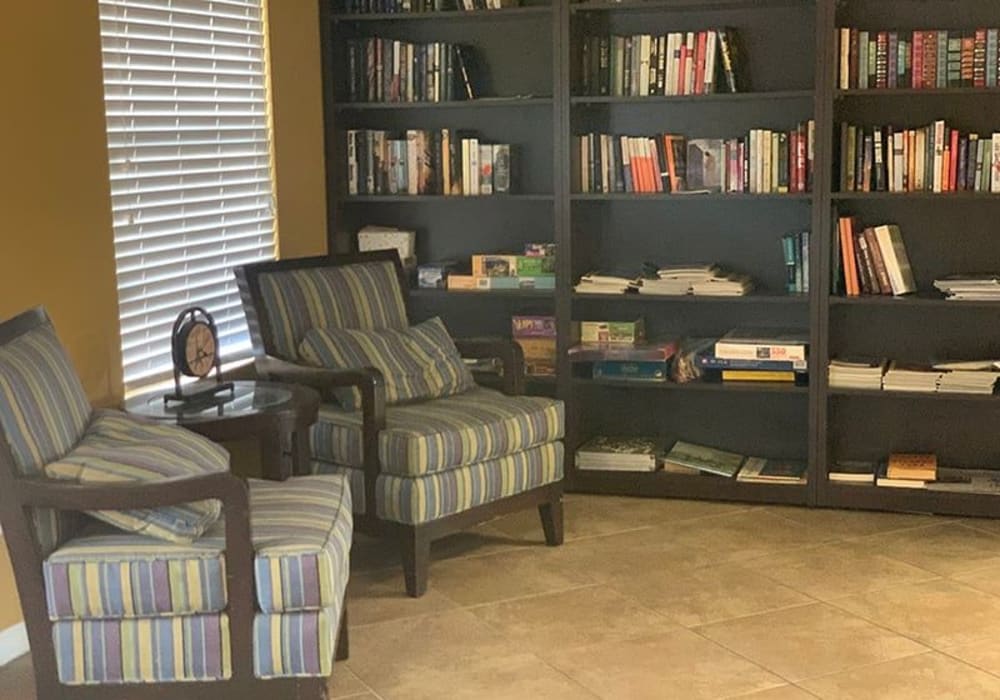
x,y
13,643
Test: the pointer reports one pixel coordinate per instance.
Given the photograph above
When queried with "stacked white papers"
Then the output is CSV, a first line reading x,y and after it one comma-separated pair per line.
x,y
857,374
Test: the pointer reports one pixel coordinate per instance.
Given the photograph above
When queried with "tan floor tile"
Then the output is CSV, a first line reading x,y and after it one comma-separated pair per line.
x,y
808,641
678,664
991,525
985,580
387,652
946,549
744,535
345,683
505,678
836,570
984,654
377,553
708,594
377,596
785,692
930,676
939,613
503,576
580,617
853,523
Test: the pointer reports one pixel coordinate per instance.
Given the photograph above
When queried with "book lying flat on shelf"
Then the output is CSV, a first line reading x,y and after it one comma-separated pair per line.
x,y
763,344
969,287
911,376
883,479
853,472
913,466
986,481
772,471
650,351
708,460
638,454
857,373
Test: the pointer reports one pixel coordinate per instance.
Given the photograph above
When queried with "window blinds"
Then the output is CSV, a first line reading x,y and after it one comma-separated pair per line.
x,y
189,150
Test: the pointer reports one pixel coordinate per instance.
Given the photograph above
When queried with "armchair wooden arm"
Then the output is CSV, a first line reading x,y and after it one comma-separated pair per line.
x,y
508,351
368,380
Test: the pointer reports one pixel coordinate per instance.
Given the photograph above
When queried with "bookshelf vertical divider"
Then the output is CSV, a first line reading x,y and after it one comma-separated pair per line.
x,y
793,55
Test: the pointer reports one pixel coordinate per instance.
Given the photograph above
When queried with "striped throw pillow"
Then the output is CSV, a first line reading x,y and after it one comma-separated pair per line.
x,y
418,363
118,447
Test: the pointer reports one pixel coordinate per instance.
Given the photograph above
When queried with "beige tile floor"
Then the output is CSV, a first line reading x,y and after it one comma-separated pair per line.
x,y
679,599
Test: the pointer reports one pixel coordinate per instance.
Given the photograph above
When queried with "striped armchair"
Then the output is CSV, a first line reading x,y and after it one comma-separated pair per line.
x,y
133,584
418,471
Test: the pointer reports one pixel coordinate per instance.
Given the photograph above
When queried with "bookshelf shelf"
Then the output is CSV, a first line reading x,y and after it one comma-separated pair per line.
x,y
793,299
804,197
483,103
912,396
713,387
681,99
446,15
534,54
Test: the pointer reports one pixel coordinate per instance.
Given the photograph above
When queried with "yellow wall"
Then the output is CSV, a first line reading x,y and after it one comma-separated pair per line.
x,y
56,240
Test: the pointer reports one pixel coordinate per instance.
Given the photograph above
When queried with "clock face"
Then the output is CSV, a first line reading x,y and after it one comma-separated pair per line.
x,y
200,350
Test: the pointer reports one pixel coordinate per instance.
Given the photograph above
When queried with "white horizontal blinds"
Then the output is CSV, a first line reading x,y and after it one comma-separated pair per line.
x,y
188,143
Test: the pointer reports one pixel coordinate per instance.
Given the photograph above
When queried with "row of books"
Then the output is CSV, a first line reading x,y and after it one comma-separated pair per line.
x,y
389,70
648,454
420,162
871,260
795,248
915,471
921,59
934,158
965,377
764,161
982,287
678,63
392,6
534,268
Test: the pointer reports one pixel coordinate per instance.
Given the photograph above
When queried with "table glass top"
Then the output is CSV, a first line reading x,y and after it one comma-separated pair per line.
x,y
247,398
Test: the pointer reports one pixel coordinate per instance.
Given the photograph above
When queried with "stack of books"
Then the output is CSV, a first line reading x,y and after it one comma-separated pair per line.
x,y
642,362
425,162
679,63
919,59
908,470
857,373
976,377
707,280
389,70
853,472
537,337
758,355
934,158
795,248
903,376
638,454
690,458
872,260
761,162
969,287
598,283
535,268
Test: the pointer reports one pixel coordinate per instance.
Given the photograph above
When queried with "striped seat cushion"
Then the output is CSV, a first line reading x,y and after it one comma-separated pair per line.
x,y
44,412
120,447
417,363
192,648
442,434
419,500
301,532
362,296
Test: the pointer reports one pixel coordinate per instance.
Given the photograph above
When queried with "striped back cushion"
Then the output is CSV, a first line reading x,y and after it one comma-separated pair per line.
x,y
118,447
361,296
418,363
43,413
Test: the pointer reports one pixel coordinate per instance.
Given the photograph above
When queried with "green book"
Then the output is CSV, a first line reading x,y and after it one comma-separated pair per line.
x,y
704,459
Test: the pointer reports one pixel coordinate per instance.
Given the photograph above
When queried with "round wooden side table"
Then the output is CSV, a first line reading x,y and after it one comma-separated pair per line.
x,y
278,415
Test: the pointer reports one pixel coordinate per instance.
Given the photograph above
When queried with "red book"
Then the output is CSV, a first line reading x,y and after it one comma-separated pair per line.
x,y
953,162
633,163
917,60
802,157
979,59
699,66
654,165
848,259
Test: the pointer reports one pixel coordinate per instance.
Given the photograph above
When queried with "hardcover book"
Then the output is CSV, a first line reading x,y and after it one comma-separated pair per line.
x,y
705,459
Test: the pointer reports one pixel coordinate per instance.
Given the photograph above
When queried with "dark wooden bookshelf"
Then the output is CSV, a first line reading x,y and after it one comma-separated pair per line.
x,y
792,53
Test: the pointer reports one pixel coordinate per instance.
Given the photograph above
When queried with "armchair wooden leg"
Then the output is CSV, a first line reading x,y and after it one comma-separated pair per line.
x,y
415,547
343,641
552,522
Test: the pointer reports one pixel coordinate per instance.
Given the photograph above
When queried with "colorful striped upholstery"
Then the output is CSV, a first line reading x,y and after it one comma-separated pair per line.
x,y
301,532
120,447
143,650
418,363
419,500
43,413
442,434
362,296
295,644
